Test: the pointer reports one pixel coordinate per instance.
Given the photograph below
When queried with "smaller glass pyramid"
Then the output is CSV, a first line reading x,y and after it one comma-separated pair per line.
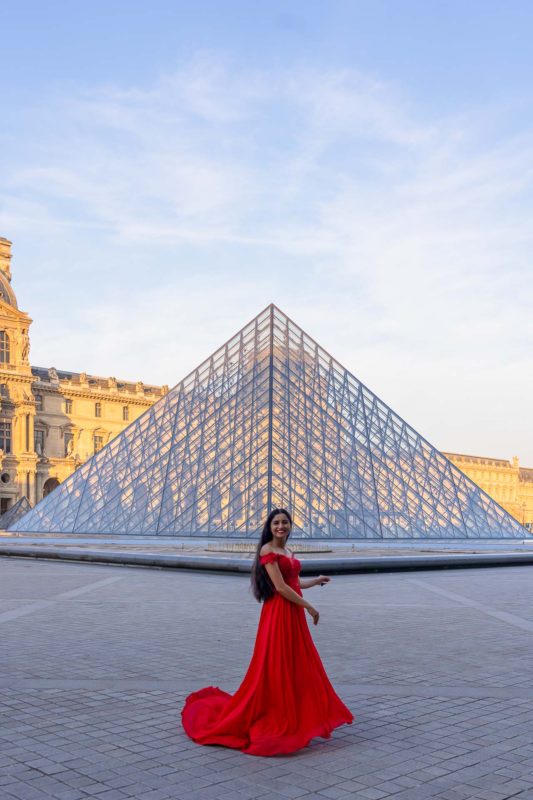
x,y
269,420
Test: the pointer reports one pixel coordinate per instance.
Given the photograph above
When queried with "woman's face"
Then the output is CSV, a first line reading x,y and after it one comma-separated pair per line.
x,y
280,527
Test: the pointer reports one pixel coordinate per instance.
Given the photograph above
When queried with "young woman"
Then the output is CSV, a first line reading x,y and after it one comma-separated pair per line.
x,y
285,699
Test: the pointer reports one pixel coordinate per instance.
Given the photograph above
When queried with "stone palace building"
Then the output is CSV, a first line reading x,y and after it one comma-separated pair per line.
x,y
506,481
52,420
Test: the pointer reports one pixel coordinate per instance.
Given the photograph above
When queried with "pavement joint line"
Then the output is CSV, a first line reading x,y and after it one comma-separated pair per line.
x,y
503,616
40,605
90,587
472,691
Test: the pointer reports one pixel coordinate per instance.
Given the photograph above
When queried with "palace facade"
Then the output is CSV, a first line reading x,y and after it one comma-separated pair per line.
x,y
505,481
53,420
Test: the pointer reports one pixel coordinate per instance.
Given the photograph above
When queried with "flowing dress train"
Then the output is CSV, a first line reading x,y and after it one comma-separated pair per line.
x,y
285,699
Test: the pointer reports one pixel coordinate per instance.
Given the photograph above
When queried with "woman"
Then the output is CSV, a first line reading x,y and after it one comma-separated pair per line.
x,y
285,699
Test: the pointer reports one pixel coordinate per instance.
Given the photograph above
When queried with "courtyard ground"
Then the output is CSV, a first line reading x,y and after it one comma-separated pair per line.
x,y
97,660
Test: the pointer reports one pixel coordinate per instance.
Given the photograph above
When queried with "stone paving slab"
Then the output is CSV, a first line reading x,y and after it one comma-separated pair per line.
x,y
96,665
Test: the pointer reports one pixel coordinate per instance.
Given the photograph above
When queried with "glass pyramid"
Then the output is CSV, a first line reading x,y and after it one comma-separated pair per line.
x,y
271,419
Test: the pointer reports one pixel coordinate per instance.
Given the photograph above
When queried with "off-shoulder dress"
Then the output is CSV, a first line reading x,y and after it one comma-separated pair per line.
x,y
285,699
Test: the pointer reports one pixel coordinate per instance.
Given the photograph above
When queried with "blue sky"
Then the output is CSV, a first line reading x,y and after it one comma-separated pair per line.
x,y
167,169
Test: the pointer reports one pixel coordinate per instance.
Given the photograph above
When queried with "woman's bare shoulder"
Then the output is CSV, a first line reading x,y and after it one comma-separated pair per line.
x,y
265,549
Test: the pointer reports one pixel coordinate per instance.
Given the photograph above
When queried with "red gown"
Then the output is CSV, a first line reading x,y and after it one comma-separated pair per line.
x,y
285,699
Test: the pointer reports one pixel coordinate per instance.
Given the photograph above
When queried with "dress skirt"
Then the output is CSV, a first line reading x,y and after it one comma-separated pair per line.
x,y
285,699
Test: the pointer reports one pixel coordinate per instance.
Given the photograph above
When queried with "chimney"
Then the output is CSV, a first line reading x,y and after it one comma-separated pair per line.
x,y
5,257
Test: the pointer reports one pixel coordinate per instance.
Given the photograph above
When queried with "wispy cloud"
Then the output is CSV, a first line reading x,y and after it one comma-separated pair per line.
x,y
402,241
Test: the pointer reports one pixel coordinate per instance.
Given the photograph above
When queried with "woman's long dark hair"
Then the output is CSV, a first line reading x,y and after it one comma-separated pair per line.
x,y
261,583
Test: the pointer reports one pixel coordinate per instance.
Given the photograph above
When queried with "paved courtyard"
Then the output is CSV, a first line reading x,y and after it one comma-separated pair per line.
x,y
96,662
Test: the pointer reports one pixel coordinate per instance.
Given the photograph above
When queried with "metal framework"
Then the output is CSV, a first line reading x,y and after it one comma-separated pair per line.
x,y
269,420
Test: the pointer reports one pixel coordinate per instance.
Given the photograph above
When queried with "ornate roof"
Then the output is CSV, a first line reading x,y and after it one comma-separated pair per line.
x,y
6,292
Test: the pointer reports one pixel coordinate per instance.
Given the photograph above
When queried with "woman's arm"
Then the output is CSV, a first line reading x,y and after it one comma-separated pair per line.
x,y
308,583
285,591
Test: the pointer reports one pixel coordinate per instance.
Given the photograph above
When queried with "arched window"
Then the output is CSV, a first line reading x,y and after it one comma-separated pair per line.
x,y
50,485
4,348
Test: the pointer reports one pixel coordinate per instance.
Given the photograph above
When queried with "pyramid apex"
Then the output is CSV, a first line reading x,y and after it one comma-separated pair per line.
x,y
271,307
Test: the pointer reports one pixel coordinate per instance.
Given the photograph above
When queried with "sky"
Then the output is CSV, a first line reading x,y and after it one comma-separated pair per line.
x,y
168,169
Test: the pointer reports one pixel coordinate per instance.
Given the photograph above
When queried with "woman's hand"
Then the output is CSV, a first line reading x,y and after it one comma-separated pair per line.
x,y
322,579
314,613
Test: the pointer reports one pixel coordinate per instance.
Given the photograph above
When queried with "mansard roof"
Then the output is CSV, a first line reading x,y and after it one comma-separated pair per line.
x,y
95,382
6,292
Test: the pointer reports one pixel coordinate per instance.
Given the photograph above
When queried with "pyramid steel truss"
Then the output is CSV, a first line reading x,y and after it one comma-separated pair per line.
x,y
271,420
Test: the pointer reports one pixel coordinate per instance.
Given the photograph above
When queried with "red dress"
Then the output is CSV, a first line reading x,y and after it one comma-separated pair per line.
x,y
285,699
